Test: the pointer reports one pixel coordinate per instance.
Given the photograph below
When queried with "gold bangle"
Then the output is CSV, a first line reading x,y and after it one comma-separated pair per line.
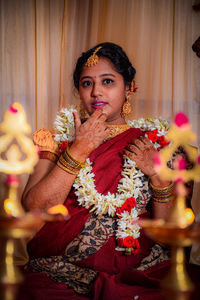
x,y
67,164
70,161
166,200
68,170
63,162
162,190
74,160
162,195
48,155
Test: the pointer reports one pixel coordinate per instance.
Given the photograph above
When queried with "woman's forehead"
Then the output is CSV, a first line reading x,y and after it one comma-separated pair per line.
x,y
103,67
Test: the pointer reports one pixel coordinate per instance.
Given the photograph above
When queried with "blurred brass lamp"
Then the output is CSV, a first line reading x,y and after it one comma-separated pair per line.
x,y
17,155
178,230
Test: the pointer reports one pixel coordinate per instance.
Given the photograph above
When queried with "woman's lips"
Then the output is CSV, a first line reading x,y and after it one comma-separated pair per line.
x,y
98,104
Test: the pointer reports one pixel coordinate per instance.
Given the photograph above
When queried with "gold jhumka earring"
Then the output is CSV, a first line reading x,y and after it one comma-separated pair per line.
x,y
93,59
126,108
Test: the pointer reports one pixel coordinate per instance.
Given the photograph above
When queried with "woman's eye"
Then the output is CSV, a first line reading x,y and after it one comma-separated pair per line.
x,y
86,83
108,81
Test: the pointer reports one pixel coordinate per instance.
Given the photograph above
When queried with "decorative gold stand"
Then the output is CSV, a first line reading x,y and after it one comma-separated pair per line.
x,y
177,284
178,230
14,222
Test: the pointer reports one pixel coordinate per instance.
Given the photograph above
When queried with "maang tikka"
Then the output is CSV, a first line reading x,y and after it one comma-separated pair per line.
x,y
93,59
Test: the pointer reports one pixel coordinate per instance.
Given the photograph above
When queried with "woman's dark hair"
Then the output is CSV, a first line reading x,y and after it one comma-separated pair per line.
x,y
115,54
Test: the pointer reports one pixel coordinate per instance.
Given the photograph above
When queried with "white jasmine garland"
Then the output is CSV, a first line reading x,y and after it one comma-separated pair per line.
x,y
150,124
89,197
129,185
64,125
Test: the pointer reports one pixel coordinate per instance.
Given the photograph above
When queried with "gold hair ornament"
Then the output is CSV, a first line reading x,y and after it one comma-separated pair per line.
x,y
93,59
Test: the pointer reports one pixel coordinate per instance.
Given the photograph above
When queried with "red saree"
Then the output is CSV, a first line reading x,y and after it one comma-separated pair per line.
x,y
117,276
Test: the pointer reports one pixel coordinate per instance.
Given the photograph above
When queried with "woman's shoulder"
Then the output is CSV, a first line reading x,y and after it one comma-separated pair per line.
x,y
44,140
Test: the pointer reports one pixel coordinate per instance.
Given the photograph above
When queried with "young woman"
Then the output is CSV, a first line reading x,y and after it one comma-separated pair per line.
x,y
107,167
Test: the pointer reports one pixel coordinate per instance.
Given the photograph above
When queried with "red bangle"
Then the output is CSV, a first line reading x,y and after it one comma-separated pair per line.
x,y
48,155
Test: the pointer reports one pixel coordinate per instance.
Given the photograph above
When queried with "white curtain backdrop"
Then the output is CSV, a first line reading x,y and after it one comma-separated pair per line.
x,y
40,41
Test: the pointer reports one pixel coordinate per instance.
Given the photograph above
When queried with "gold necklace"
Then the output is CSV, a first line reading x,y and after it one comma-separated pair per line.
x,y
117,129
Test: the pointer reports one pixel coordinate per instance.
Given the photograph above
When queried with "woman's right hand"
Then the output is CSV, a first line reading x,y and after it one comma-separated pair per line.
x,y
89,135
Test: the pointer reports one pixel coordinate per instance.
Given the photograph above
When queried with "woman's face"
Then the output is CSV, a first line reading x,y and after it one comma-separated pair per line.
x,y
100,86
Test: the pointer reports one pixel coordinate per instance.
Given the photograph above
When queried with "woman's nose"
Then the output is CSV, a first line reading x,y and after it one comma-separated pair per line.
x,y
96,90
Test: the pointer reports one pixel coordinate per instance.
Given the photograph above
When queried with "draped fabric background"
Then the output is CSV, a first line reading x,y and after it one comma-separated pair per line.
x,y
40,41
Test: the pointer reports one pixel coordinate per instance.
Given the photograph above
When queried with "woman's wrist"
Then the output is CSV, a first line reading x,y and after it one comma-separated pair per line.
x,y
157,181
69,163
162,194
78,152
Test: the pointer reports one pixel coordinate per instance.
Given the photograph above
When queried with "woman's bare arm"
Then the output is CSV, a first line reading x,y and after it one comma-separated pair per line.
x,y
49,185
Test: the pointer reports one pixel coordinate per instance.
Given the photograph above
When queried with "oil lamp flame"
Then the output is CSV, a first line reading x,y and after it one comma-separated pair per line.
x,y
58,209
189,215
9,207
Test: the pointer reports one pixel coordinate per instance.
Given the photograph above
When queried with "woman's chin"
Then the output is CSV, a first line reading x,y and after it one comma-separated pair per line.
x,y
111,121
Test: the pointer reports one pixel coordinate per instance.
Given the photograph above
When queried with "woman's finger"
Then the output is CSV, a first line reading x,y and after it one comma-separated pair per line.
x,y
130,150
135,149
138,143
144,139
77,120
96,114
103,117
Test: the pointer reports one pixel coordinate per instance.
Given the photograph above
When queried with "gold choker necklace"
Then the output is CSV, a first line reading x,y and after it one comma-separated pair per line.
x,y
117,129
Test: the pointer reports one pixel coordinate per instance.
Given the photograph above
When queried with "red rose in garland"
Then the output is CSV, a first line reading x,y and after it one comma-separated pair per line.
x,y
63,146
152,135
118,212
129,241
162,141
136,246
128,204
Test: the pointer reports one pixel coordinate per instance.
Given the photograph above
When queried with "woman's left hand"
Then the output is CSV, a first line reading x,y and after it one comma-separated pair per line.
x,y
142,151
